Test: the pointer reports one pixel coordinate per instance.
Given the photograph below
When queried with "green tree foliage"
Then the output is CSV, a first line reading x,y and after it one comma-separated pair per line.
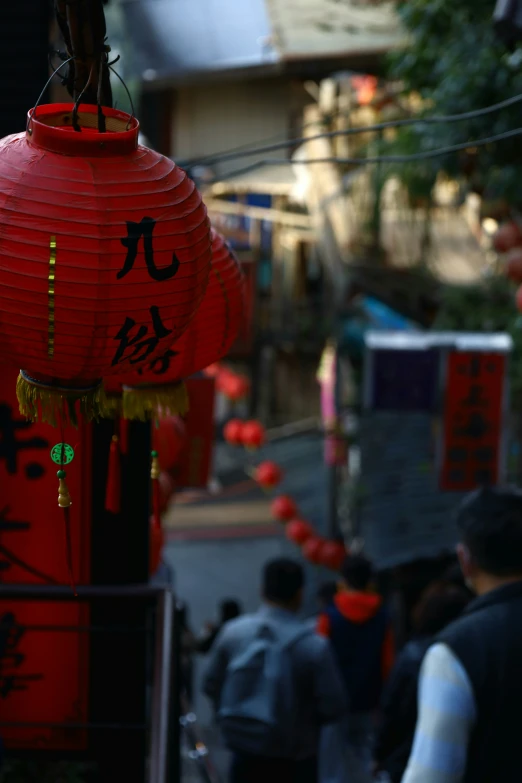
x,y
455,62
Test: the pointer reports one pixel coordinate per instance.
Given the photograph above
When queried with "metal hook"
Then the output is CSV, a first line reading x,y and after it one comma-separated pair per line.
x,y
48,82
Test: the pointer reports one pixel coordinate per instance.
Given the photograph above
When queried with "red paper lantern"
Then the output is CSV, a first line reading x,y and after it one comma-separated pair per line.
x,y
312,549
283,508
211,334
513,264
332,555
104,255
213,370
234,387
168,439
508,236
232,432
156,544
253,434
299,531
268,474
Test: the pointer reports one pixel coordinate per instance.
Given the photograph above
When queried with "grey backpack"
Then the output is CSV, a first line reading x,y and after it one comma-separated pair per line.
x,y
257,703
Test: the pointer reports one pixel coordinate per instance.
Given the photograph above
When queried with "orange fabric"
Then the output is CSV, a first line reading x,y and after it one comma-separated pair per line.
x,y
388,654
323,625
358,607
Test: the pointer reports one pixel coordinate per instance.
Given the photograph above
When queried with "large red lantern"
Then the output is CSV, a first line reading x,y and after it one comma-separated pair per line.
x,y
168,439
209,337
268,475
253,434
283,508
104,256
332,555
298,531
232,432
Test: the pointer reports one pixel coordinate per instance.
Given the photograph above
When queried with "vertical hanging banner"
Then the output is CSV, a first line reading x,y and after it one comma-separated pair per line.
x,y
473,418
193,464
43,673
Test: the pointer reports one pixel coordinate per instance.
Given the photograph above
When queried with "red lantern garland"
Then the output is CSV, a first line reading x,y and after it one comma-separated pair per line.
x,y
234,387
332,555
283,508
253,435
268,475
233,432
298,531
312,549
104,256
210,335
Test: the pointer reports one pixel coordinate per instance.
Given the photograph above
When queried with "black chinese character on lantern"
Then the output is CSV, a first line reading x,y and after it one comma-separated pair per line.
x,y
138,347
8,526
10,444
161,365
135,231
11,658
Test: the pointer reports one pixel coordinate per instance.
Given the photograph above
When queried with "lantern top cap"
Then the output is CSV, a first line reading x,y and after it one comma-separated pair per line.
x,y
50,127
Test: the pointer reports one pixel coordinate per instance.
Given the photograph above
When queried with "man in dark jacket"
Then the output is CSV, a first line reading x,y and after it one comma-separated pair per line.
x,y
470,689
359,630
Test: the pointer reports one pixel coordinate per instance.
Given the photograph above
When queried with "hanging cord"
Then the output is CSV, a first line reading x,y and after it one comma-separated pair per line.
x,y
129,96
64,501
47,83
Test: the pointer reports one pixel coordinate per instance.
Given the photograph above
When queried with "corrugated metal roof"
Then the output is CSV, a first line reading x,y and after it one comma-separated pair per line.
x,y
172,38
306,29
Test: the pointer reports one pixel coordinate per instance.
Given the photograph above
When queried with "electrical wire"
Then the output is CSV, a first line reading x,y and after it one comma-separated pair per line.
x,y
249,150
416,156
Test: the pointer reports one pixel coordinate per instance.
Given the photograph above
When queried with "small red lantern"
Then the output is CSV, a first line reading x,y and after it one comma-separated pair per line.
x,y
168,439
104,256
213,370
312,549
233,432
283,508
210,335
298,531
508,236
234,387
268,475
332,555
156,544
253,435
513,264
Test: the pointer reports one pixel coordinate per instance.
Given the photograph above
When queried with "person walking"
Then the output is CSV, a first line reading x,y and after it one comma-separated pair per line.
x,y
359,629
440,604
470,688
274,684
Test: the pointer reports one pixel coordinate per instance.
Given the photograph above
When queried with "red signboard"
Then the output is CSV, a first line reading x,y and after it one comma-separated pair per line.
x,y
472,428
43,674
194,462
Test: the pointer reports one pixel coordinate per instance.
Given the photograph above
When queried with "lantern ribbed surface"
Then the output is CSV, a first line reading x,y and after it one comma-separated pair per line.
x,y
210,336
104,249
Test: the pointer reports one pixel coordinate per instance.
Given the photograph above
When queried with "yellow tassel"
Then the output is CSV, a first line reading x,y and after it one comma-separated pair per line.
x,y
146,402
44,403
112,406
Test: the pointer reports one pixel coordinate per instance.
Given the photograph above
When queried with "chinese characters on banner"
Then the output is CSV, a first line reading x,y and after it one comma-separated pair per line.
x,y
194,462
472,428
43,674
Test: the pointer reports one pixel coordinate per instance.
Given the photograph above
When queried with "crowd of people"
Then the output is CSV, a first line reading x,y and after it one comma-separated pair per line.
x,y
333,701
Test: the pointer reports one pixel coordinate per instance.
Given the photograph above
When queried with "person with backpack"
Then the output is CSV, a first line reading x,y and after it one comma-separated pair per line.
x,y
274,684
359,628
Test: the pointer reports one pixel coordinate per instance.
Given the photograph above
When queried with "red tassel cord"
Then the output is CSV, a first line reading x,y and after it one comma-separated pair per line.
x,y
113,488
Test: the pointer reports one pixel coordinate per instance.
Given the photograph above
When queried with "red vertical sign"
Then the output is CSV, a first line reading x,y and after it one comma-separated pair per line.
x,y
43,674
193,464
472,429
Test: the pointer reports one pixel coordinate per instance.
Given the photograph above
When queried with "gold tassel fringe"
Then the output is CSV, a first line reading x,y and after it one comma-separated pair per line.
x,y
148,402
43,403
112,406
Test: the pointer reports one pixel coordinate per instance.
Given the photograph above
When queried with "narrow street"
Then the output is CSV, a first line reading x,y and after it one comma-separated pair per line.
x,y
217,547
